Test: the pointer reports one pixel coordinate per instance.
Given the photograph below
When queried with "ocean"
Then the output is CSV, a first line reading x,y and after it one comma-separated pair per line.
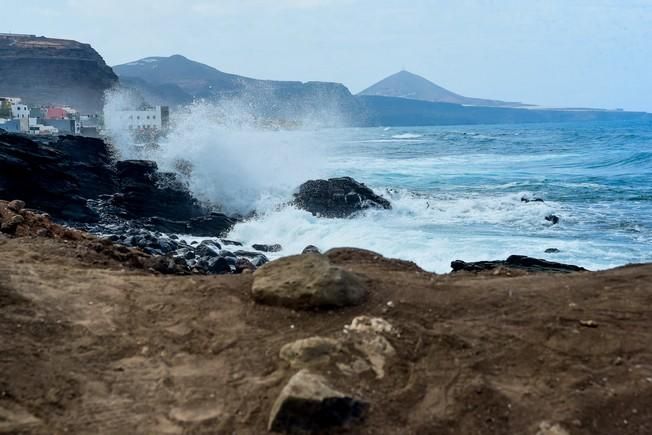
x,y
456,191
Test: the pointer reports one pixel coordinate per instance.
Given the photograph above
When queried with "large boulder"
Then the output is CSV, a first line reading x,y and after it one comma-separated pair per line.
x,y
337,197
307,404
519,262
307,281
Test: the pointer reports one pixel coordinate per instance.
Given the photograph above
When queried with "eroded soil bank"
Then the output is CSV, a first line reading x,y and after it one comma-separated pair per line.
x,y
93,344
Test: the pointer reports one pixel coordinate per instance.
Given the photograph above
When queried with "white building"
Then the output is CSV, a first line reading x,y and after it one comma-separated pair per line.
x,y
19,111
156,118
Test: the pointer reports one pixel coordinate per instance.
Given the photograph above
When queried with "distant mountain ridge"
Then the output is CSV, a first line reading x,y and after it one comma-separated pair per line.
x,y
177,80
405,84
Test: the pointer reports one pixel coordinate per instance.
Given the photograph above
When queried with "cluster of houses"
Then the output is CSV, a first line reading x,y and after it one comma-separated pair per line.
x,y
17,117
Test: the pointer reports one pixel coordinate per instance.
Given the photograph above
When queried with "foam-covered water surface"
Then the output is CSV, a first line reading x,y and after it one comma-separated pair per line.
x,y
456,193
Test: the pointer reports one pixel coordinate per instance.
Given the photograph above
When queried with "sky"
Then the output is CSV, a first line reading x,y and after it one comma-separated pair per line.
x,y
559,53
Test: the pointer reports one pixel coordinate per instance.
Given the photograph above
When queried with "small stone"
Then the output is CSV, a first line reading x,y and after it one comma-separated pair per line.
x,y
9,225
218,266
547,428
311,249
16,205
370,324
589,323
309,351
43,232
552,219
308,404
552,251
242,265
267,248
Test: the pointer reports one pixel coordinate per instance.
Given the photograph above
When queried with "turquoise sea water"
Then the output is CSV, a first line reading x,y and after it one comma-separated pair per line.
x,y
457,193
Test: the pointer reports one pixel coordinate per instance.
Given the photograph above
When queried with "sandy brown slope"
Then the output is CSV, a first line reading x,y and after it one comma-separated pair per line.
x,y
87,346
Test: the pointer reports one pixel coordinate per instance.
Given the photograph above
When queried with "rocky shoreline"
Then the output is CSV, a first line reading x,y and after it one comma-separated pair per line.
x,y
100,337
79,182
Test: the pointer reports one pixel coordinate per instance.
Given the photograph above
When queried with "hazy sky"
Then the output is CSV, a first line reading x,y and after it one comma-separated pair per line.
x,y
595,53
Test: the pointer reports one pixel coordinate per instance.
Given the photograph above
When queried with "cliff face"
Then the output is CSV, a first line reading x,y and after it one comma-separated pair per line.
x,y
53,71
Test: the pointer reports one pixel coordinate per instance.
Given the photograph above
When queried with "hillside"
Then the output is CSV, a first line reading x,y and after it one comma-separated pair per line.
x,y
176,80
404,84
53,71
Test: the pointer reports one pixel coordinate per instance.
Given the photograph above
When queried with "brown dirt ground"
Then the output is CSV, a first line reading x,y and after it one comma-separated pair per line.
x,y
88,345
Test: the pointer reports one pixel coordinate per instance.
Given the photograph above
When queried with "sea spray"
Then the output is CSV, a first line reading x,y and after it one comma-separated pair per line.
x,y
227,155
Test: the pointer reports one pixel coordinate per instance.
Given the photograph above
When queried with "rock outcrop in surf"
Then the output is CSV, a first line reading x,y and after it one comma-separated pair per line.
x,y
337,197
519,262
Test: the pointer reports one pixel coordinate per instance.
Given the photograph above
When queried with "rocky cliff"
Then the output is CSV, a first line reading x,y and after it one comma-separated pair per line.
x,y
53,71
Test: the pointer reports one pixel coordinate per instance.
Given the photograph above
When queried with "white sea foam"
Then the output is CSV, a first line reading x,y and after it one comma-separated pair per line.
x,y
429,231
233,161
407,136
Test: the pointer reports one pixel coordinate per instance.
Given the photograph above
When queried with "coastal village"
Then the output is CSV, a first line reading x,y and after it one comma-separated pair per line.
x,y
16,116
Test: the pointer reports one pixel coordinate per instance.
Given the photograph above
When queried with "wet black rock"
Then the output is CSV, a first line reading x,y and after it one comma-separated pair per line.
x,y
208,248
77,180
243,264
56,175
256,258
552,219
267,248
311,249
520,262
218,266
144,192
230,242
526,199
212,224
552,251
337,197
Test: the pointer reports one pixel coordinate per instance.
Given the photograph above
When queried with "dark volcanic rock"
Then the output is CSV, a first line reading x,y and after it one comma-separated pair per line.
x,y
145,192
526,199
56,175
76,180
311,249
218,266
552,251
267,248
208,249
520,262
552,219
243,264
337,197
212,224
